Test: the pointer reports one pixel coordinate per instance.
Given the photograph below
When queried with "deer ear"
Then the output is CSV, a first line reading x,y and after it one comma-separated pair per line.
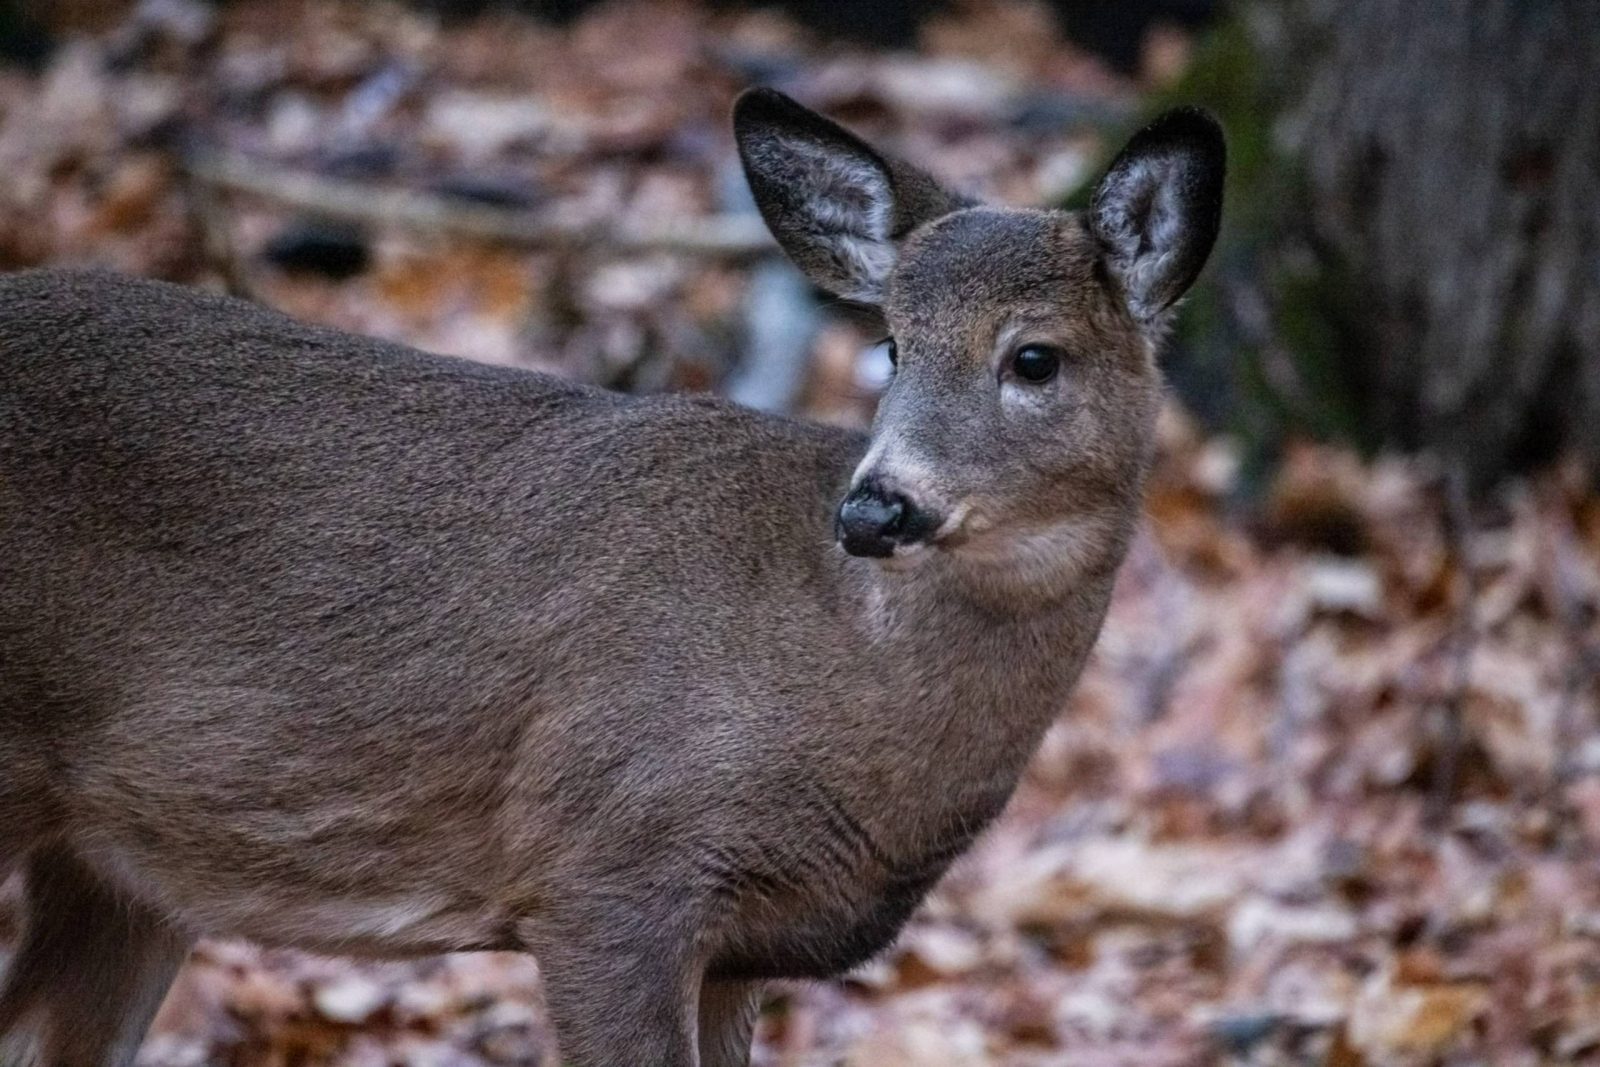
x,y
1156,212
837,206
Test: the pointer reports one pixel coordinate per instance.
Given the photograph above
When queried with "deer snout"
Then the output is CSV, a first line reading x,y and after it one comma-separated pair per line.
x,y
872,521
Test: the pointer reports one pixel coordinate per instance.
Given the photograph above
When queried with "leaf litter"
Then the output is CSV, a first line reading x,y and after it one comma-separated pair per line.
x,y
1329,792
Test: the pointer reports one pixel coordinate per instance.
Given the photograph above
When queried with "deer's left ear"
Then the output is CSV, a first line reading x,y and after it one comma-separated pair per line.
x,y
836,205
1156,212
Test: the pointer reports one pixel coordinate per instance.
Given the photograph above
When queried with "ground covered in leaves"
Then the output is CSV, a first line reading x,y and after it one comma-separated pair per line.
x,y
1329,792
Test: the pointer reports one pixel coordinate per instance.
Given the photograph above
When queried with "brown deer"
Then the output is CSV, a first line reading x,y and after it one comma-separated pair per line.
x,y
326,642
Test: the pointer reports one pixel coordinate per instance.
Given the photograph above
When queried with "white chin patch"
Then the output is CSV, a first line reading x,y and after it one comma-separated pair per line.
x,y
905,557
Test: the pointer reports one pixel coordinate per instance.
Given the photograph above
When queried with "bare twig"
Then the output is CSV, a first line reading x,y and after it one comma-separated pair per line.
x,y
210,222
1572,612
1463,638
728,236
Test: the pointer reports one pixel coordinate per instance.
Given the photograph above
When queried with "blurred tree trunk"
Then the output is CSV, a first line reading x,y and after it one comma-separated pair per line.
x,y
1414,251
72,16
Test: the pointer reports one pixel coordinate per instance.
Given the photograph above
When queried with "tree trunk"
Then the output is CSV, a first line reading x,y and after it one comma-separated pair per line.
x,y
1417,257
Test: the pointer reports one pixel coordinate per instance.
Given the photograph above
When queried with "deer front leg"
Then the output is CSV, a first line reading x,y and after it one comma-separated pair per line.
x,y
728,1013
619,993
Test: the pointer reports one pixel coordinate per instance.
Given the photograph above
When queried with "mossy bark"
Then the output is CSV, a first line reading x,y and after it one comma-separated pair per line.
x,y
1411,254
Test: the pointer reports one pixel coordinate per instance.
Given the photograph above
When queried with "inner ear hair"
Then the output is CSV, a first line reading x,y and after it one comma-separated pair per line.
x,y
1156,212
836,205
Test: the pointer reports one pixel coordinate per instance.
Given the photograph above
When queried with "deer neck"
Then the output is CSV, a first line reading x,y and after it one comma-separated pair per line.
x,y
974,661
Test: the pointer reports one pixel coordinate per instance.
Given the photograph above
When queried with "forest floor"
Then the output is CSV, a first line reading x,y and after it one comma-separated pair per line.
x,y
1329,792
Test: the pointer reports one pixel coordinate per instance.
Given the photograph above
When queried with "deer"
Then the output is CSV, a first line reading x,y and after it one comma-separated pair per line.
x,y
325,642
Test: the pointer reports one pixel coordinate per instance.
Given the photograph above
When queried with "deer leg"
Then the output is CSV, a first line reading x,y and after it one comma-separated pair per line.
x,y
618,993
92,969
728,1013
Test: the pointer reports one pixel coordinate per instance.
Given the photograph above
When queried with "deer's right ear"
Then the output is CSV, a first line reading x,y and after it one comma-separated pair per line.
x,y
837,207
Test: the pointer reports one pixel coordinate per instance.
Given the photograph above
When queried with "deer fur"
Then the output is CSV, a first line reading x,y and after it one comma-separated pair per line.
x,y
326,642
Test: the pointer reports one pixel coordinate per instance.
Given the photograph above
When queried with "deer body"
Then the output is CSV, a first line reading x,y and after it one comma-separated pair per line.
x,y
325,642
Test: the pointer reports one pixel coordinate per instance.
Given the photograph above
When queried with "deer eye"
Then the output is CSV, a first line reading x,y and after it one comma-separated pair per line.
x,y
1036,364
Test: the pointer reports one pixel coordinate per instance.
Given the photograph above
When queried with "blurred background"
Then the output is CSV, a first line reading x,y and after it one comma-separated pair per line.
x,y
1329,793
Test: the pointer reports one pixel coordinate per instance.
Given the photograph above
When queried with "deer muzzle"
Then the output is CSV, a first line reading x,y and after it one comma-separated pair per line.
x,y
873,521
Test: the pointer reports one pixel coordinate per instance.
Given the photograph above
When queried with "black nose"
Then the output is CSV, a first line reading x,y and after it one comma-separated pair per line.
x,y
871,522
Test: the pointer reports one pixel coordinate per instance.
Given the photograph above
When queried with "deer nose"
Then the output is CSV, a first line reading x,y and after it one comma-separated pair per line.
x,y
871,522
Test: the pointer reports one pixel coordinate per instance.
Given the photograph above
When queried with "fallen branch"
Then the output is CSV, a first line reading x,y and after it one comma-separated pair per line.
x,y
727,236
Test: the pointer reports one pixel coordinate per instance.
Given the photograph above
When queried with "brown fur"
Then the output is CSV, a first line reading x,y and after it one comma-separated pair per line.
x,y
325,642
